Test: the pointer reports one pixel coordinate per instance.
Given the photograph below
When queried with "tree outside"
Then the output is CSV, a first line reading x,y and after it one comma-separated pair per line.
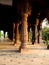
x,y
45,35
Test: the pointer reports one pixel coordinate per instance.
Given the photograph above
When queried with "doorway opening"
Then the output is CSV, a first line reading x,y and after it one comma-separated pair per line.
x,y
3,35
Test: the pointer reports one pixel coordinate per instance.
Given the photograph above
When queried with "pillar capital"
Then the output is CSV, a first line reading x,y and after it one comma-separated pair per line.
x,y
25,15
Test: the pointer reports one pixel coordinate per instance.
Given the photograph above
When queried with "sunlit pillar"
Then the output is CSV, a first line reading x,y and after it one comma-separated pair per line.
x,y
24,32
36,29
35,33
17,34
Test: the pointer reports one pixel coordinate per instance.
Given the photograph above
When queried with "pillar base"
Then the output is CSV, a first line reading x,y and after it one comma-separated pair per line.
x,y
17,43
33,42
23,48
40,40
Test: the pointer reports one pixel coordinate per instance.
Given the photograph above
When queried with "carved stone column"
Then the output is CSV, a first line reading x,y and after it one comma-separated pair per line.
x,y
35,33
17,33
40,33
34,30
24,32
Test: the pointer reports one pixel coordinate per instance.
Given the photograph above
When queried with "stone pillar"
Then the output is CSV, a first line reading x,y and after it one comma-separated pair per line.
x,y
34,30
14,32
28,34
40,33
17,34
24,32
35,33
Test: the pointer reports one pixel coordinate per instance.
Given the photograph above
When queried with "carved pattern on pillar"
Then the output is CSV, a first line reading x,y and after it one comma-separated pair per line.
x,y
24,33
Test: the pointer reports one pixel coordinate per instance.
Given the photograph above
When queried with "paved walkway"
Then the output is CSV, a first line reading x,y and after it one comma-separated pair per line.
x,y
34,55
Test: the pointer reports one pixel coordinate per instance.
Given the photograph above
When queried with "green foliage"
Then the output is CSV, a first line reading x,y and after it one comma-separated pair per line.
x,y
0,33
45,34
46,42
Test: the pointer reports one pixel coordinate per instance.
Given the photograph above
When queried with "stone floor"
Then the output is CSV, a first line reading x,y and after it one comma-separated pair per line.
x,y
38,57
34,55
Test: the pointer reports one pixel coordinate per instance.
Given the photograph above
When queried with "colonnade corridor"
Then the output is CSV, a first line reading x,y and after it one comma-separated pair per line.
x,y
21,40
7,44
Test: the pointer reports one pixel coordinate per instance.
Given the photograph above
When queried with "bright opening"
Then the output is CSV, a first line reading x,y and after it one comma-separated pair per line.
x,y
45,23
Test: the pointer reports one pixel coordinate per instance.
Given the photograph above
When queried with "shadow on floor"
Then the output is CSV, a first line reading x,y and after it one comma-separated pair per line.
x,y
5,50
